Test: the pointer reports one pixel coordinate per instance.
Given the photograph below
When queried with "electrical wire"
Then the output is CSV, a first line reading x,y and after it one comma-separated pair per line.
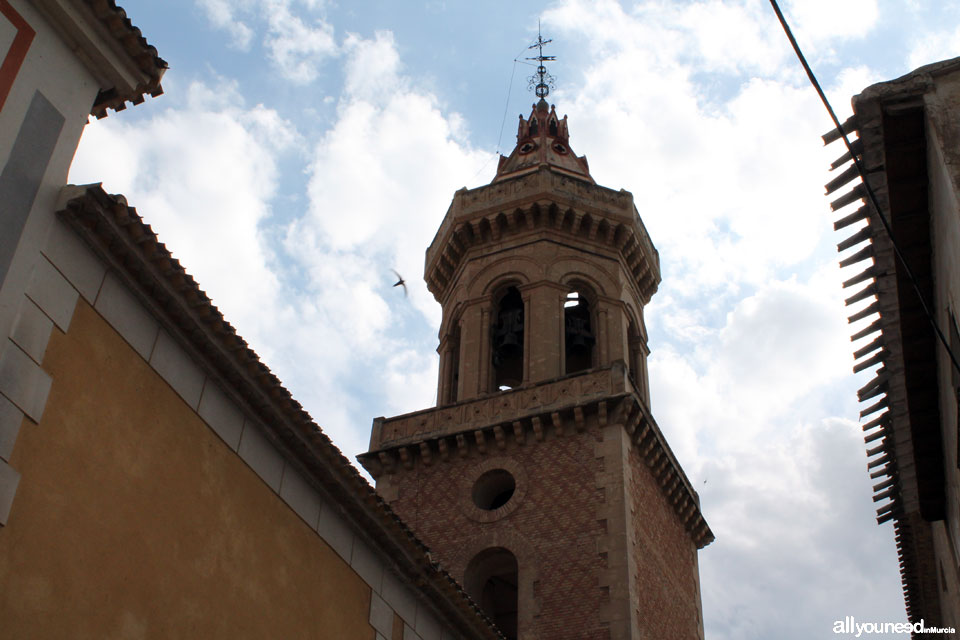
x,y
870,194
506,106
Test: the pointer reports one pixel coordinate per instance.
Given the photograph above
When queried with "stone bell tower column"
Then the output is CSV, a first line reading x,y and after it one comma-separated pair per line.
x,y
541,480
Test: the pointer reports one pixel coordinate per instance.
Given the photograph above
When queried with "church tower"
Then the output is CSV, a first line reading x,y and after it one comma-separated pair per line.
x,y
541,480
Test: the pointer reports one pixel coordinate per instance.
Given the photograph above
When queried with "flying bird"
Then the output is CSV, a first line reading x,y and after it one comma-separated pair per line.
x,y
400,282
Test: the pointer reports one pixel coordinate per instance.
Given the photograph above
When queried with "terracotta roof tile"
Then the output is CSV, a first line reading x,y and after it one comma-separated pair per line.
x,y
145,55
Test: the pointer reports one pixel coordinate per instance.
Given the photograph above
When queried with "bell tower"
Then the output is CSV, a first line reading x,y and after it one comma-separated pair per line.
x,y
541,480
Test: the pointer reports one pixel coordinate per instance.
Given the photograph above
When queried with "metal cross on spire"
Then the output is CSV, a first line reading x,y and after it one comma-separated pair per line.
x,y
541,82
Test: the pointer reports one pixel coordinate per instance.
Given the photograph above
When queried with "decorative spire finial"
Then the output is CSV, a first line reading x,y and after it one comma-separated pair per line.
x,y
541,82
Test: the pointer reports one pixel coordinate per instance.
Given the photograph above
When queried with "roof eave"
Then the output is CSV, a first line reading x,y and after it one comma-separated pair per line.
x,y
891,429
125,66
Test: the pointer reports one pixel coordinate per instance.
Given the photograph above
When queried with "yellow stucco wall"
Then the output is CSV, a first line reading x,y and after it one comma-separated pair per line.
x,y
133,520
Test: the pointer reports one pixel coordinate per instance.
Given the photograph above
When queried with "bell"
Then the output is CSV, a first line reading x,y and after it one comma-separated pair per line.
x,y
578,341
508,332
578,333
508,340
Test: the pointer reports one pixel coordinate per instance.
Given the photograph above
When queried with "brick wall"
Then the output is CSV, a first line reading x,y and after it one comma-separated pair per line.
x,y
668,597
595,539
552,527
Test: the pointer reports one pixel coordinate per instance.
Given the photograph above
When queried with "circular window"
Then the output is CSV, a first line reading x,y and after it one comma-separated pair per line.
x,y
493,489
527,148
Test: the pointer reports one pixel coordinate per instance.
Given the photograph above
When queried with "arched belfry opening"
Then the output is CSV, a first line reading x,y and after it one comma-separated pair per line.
x,y
508,341
637,360
491,580
453,373
579,338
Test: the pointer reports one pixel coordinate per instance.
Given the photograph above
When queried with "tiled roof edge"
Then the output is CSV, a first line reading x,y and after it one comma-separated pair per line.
x,y
882,419
132,41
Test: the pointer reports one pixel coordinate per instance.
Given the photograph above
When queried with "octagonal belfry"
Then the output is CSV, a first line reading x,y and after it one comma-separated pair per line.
x,y
541,480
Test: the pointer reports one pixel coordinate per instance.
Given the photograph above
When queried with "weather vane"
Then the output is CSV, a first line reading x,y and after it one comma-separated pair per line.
x,y
541,82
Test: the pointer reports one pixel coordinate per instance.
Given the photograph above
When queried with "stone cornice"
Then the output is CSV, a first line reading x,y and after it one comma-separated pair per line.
x,y
528,416
543,199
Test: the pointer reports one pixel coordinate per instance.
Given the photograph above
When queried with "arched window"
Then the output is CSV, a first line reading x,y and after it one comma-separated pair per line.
x,y
578,333
553,127
533,127
633,347
637,360
491,580
508,341
453,383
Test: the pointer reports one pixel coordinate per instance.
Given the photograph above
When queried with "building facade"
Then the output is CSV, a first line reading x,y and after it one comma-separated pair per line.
x,y
907,142
541,480
156,479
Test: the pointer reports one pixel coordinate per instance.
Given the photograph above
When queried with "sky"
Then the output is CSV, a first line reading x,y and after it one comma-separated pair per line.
x,y
304,148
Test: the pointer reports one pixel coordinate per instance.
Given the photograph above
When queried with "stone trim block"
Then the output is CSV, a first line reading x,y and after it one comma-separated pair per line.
x,y
409,633
427,626
261,455
367,565
9,479
23,381
75,261
175,366
335,531
31,330
381,615
399,597
10,420
221,414
125,314
23,171
301,497
52,293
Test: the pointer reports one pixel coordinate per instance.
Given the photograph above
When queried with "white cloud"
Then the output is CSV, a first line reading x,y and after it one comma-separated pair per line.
x,y
296,35
747,201
778,345
203,177
797,546
372,67
782,484
373,176
820,21
411,381
728,36
934,46
297,46
222,14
